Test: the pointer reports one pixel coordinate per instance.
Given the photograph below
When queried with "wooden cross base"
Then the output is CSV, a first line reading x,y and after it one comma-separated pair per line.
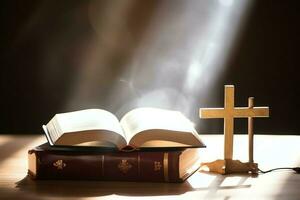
x,y
229,166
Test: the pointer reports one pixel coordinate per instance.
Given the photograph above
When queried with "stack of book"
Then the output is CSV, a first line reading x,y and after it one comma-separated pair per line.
x,y
147,144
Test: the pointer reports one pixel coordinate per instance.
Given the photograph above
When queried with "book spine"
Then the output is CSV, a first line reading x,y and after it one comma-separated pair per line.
x,y
133,166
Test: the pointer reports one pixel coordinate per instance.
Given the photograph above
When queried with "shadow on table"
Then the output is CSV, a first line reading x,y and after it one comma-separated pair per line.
x,y
64,188
70,188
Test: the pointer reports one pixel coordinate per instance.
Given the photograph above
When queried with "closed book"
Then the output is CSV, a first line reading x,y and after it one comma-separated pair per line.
x,y
159,165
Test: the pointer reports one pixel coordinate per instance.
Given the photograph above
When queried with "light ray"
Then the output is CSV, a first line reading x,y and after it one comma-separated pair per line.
x,y
175,63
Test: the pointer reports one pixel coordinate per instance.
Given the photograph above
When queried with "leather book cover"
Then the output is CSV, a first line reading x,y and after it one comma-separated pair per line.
x,y
46,162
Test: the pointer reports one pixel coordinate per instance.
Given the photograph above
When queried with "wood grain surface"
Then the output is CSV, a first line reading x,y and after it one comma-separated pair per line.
x,y
270,152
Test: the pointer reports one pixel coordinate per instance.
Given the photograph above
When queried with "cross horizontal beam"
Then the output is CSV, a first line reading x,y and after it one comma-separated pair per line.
x,y
245,112
240,112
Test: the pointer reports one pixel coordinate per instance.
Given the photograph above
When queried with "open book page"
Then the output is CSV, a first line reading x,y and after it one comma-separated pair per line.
x,y
146,124
88,125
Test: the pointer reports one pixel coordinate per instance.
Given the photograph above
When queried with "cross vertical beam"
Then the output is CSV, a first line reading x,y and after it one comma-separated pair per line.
x,y
228,121
250,130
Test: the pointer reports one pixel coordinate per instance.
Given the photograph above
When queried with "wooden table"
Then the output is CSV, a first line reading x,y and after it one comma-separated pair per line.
x,y
270,152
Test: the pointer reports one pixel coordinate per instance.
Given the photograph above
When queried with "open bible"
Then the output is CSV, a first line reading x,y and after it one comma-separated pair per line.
x,y
139,128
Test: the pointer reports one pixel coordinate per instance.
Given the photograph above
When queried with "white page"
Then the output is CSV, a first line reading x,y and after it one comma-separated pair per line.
x,y
142,119
90,119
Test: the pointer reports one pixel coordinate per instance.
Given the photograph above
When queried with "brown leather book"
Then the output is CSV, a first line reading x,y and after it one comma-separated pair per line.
x,y
164,165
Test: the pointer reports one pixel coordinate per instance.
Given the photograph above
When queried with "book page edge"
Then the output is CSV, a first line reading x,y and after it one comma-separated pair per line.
x,y
47,135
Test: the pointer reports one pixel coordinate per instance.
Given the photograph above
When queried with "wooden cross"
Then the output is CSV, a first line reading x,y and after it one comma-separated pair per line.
x,y
229,112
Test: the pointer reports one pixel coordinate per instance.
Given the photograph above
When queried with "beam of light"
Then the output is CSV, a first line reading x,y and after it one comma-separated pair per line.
x,y
5,138
173,64
9,164
201,180
208,60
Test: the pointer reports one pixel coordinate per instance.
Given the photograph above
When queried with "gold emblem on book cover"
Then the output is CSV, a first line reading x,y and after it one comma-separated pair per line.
x,y
157,166
124,166
59,164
